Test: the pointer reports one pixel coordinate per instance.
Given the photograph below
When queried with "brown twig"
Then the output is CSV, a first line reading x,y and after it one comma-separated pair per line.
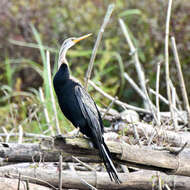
x,y
19,179
167,187
167,56
157,92
138,66
176,95
134,85
60,171
12,175
32,135
27,185
118,102
104,24
8,134
84,164
20,137
82,180
147,102
180,77
136,135
181,149
174,106
109,107
162,98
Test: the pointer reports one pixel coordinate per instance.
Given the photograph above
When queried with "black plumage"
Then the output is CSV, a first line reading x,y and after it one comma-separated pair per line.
x,y
78,107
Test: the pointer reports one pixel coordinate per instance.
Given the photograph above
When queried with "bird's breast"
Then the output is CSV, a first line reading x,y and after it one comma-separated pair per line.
x,y
69,104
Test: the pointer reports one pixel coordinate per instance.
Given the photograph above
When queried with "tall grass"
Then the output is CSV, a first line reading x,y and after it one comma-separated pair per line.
x,y
44,61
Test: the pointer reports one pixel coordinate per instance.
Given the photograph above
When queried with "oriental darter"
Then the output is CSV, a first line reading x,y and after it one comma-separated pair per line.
x,y
78,107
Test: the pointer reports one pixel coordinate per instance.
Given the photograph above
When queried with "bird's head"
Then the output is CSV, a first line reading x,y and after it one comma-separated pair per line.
x,y
68,43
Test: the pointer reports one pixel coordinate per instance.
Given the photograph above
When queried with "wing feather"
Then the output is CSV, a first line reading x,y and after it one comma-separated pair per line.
x,y
89,111
93,118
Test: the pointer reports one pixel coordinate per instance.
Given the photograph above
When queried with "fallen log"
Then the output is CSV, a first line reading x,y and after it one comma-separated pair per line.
x,y
176,139
13,184
12,153
48,175
140,157
27,152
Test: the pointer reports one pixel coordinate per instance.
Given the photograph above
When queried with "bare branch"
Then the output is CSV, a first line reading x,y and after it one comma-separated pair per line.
x,y
167,56
138,66
157,92
20,137
135,86
109,107
118,102
60,172
180,77
104,24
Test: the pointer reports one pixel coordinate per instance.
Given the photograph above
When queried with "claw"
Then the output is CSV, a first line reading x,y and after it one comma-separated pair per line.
x,y
74,133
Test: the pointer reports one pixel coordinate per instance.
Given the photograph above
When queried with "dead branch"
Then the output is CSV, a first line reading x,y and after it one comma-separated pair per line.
x,y
28,152
181,79
11,184
11,153
138,66
176,139
103,26
140,157
45,174
167,74
118,102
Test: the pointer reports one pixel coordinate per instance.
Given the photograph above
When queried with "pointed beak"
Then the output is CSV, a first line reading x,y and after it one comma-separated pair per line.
x,y
82,38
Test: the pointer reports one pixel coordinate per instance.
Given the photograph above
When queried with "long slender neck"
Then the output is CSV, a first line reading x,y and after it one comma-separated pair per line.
x,y
63,72
62,57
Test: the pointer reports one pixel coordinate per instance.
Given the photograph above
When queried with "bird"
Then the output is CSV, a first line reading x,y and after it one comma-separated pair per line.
x,y
79,107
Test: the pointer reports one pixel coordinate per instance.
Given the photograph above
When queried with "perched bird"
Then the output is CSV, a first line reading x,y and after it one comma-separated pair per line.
x,y
78,107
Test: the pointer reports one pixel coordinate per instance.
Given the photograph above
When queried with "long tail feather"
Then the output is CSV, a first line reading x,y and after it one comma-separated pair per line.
x,y
106,157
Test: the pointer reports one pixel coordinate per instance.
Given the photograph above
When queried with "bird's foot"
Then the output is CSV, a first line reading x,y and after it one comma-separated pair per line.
x,y
74,133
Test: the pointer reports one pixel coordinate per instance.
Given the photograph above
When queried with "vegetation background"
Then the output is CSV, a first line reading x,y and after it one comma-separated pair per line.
x,y
28,24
